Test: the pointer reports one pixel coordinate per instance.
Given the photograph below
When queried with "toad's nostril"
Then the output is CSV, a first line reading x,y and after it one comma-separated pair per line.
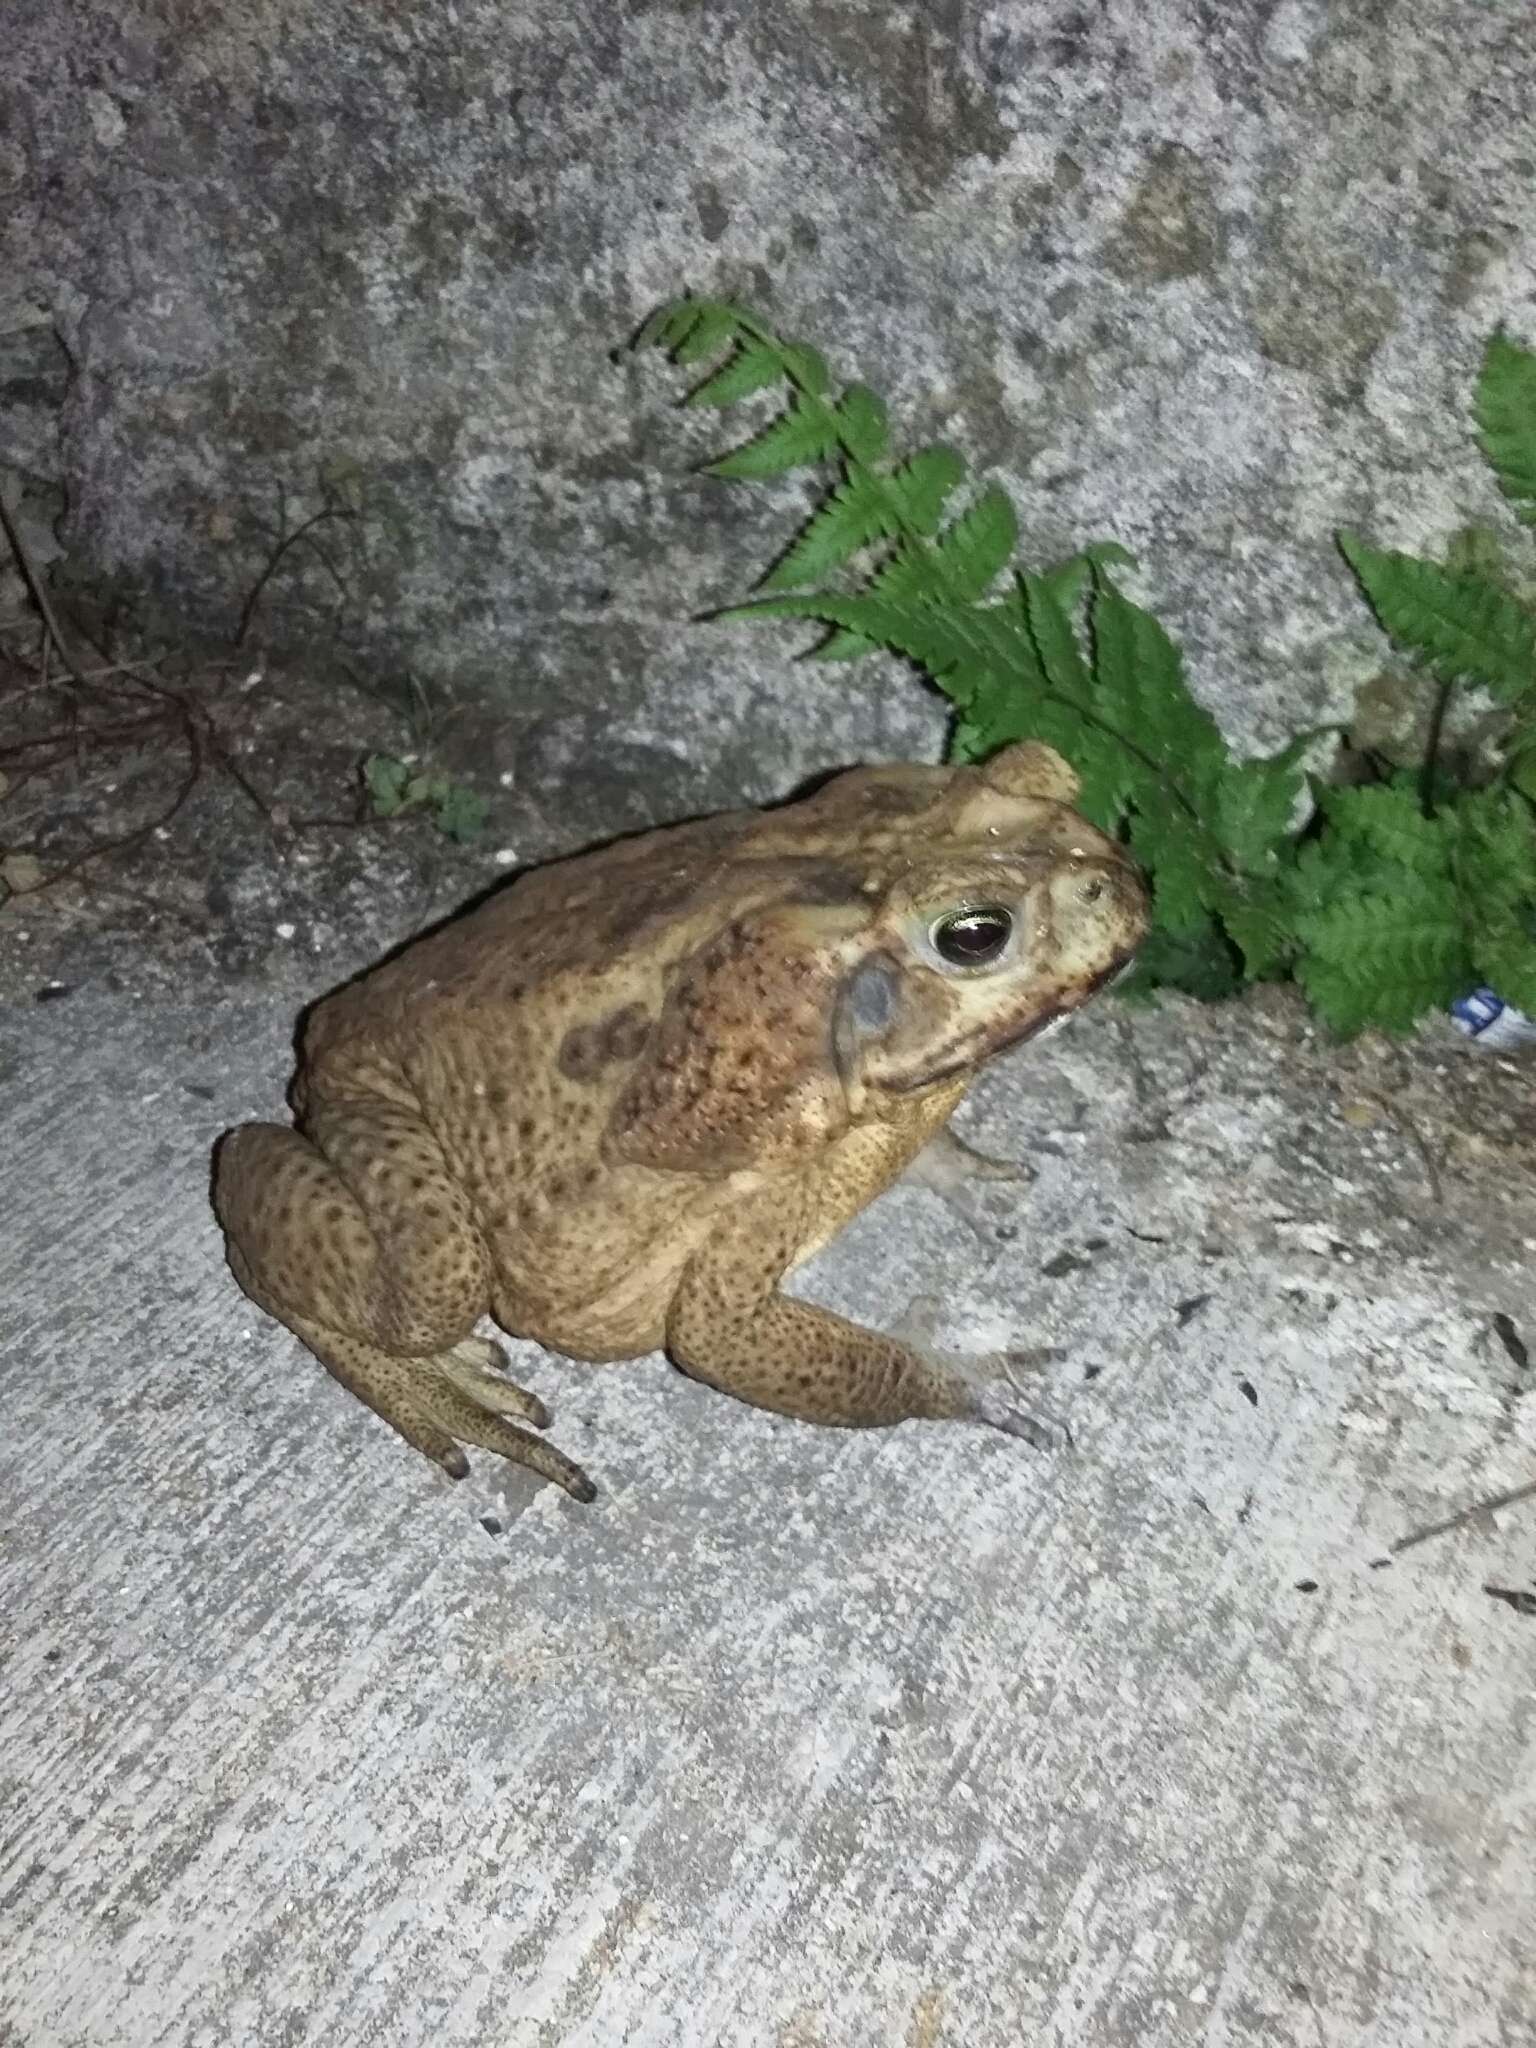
x,y
1093,890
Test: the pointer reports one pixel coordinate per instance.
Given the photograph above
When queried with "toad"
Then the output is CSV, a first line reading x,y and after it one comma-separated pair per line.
x,y
617,1102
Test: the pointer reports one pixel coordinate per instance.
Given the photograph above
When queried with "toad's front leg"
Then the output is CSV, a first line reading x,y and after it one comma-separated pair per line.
x,y
729,1325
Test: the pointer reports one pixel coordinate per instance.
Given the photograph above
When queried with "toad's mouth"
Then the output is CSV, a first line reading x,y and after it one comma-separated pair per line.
x,y
1060,1012
972,1049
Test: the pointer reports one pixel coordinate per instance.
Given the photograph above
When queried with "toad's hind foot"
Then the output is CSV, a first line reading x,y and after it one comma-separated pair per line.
x,y
477,1366
442,1402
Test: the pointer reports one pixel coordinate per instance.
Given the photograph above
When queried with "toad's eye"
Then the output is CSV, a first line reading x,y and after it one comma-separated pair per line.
x,y
973,937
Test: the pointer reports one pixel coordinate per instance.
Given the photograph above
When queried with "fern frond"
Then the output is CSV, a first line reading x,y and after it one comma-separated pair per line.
x,y
937,640
1462,625
1253,803
1258,920
804,434
1493,841
1505,959
1046,607
1383,957
973,549
1017,715
923,482
667,325
691,329
1201,962
751,368
957,565
843,645
1380,911
856,513
1385,823
1069,581
807,366
913,574
1187,880
1140,687
1505,406
861,419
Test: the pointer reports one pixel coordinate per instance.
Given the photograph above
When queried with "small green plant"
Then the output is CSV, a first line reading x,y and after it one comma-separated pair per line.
x,y
1382,901
394,786
1430,878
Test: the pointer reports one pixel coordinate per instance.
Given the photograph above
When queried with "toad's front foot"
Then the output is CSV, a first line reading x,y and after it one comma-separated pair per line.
x,y
1001,1406
986,1389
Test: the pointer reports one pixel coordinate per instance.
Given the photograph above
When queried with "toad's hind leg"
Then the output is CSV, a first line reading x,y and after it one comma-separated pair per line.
x,y
365,1247
438,1404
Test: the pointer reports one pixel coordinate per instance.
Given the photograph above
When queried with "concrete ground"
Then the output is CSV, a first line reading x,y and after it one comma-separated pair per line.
x,y
794,1738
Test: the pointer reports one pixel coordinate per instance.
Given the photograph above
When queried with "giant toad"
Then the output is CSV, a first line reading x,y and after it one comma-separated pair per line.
x,y
619,1101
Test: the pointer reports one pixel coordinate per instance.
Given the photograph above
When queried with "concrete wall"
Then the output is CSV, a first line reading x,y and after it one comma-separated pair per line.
x,y
1210,279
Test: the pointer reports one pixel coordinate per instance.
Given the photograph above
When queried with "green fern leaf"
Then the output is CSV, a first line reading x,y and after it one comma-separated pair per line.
x,y
911,576
1384,823
842,645
1494,858
960,563
1047,608
691,329
1506,414
922,484
1253,803
1505,961
1002,717
969,741
861,418
978,544
855,514
1478,551
1462,624
1068,581
665,327
980,656
1051,603
999,657
750,369
1495,842
1345,1004
1201,962
1384,957
1139,689
937,641
807,365
1187,884
1258,919
804,434
1107,768
1322,870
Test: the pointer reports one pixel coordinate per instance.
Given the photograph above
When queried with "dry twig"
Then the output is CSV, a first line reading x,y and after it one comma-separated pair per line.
x,y
1496,1501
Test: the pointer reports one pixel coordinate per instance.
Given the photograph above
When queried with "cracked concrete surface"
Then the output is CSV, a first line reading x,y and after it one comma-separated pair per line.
x,y
795,1738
